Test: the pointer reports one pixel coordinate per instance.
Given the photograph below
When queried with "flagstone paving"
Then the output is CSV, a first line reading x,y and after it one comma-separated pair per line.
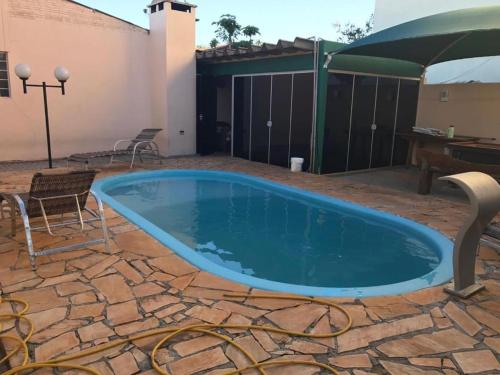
x,y
88,297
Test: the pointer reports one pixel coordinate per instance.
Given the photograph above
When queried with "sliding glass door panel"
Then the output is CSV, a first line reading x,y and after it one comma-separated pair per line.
x,y
407,116
261,107
281,116
365,90
242,117
302,117
385,116
338,122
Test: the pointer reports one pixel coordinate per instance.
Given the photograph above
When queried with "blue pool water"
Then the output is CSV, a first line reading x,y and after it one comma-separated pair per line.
x,y
280,238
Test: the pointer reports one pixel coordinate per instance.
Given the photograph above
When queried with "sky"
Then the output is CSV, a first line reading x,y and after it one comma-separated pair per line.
x,y
277,19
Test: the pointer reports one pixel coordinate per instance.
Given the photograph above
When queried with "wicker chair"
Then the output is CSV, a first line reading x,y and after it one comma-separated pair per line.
x,y
142,145
57,192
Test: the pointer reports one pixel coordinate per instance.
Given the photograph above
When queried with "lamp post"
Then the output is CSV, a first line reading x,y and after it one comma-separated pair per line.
x,y
23,71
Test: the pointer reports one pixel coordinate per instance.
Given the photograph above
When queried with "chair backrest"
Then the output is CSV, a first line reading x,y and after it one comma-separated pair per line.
x,y
55,184
144,135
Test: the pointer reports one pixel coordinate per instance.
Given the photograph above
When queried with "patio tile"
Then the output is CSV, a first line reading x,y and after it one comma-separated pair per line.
x,y
114,288
240,309
135,327
484,317
147,289
60,279
182,282
357,313
51,269
297,318
46,318
86,311
362,337
323,327
430,343
493,343
41,299
124,364
57,346
128,272
170,310
237,319
196,345
172,265
306,347
101,266
394,368
252,347
293,369
426,362
264,340
87,297
463,319
476,361
73,287
150,304
57,329
123,313
95,331
208,314
207,280
351,361
427,296
137,243
394,311
198,362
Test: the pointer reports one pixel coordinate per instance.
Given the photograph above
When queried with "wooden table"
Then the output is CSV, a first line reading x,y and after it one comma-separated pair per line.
x,y
476,152
417,140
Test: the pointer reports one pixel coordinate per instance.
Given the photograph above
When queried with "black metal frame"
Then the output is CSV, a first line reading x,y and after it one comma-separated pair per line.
x,y
44,87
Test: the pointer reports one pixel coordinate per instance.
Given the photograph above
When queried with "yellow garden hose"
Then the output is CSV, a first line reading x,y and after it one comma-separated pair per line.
x,y
169,333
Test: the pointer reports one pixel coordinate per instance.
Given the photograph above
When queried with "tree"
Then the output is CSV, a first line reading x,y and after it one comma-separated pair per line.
x,y
214,43
228,29
250,31
350,32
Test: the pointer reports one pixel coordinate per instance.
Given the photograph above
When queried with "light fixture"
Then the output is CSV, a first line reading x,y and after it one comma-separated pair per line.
x,y
23,71
62,74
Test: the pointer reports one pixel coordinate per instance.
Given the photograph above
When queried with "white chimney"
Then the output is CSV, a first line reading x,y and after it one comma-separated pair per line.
x,y
173,73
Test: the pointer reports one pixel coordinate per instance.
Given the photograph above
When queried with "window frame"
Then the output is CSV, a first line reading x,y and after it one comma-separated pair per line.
x,y
6,60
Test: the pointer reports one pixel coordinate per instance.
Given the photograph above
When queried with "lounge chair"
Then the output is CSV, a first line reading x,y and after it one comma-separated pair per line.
x,y
56,192
142,145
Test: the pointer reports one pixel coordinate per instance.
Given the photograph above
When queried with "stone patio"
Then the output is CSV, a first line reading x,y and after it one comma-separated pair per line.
x,y
86,298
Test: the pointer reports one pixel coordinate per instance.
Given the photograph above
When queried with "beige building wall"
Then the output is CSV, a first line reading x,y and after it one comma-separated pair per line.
x,y
123,79
108,95
474,109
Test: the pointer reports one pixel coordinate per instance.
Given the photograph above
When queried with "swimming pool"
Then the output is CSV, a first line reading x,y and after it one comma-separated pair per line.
x,y
280,238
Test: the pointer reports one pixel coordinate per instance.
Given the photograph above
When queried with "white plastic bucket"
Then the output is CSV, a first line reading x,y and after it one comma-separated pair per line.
x,y
296,164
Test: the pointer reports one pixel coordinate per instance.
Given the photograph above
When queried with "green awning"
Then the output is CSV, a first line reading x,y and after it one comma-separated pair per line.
x,y
456,35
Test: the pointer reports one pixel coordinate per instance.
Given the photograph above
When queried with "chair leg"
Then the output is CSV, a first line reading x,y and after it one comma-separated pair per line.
x,y
103,223
27,230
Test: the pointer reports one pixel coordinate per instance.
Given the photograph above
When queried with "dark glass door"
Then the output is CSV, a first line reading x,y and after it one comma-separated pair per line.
x,y
406,118
385,118
302,117
261,105
337,124
206,116
365,90
280,116
242,119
